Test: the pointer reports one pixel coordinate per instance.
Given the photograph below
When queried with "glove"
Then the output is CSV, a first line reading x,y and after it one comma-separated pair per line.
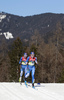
x,y
37,63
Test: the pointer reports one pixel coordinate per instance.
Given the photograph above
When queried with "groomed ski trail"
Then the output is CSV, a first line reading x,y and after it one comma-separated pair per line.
x,y
15,91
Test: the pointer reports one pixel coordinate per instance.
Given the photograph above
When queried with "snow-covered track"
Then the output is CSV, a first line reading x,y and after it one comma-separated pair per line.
x,y
15,91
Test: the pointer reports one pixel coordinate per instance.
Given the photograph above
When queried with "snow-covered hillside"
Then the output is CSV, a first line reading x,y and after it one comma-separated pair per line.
x,y
2,17
15,91
7,35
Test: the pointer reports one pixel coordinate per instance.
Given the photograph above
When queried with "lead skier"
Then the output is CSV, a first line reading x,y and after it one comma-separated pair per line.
x,y
31,60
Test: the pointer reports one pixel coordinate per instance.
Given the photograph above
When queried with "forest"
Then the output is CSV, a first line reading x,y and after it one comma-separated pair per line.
x,y
49,50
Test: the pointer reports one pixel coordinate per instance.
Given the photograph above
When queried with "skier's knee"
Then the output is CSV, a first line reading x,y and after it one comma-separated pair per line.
x,y
26,75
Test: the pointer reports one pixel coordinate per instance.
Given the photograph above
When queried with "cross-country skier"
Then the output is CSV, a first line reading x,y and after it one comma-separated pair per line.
x,y
23,66
31,60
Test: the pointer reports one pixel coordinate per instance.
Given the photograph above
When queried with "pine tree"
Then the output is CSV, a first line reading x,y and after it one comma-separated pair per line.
x,y
61,79
33,49
15,54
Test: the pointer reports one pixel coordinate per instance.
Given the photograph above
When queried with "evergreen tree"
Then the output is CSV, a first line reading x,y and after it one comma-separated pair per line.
x,y
15,54
61,79
34,49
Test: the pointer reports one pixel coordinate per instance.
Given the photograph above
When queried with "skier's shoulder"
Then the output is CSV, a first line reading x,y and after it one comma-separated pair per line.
x,y
28,57
35,58
22,56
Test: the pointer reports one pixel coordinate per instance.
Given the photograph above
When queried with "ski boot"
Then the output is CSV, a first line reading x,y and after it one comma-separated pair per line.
x,y
20,80
33,86
26,84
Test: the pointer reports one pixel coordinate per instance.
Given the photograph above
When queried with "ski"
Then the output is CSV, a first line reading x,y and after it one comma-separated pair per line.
x,y
26,84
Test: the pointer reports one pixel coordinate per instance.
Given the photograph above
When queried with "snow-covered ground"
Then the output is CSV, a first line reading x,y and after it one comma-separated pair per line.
x,y
15,91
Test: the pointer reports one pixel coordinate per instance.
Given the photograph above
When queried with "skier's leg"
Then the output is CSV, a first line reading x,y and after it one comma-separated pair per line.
x,y
21,73
33,72
27,72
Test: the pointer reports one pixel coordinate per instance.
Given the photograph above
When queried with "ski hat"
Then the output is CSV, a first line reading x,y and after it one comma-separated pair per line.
x,y
25,54
32,53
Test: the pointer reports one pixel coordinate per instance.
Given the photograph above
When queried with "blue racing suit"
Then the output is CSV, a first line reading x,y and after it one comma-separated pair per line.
x,y
31,67
23,66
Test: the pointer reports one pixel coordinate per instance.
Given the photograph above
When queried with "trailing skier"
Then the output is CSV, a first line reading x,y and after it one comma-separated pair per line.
x,y
23,66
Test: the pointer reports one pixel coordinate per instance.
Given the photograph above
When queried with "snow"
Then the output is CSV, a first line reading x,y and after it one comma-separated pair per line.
x,y
15,91
0,33
2,17
7,35
48,25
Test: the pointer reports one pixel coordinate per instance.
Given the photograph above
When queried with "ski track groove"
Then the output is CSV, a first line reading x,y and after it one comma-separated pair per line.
x,y
47,93
42,91
5,91
49,96
20,98
13,93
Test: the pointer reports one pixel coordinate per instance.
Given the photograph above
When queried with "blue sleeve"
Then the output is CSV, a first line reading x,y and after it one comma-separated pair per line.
x,y
36,59
20,60
27,59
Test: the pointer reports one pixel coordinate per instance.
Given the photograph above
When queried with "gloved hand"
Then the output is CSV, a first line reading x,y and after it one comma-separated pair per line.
x,y
26,63
37,63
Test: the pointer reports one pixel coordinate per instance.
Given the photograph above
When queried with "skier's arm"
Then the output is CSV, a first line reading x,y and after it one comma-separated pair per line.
x,y
36,60
27,60
20,60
